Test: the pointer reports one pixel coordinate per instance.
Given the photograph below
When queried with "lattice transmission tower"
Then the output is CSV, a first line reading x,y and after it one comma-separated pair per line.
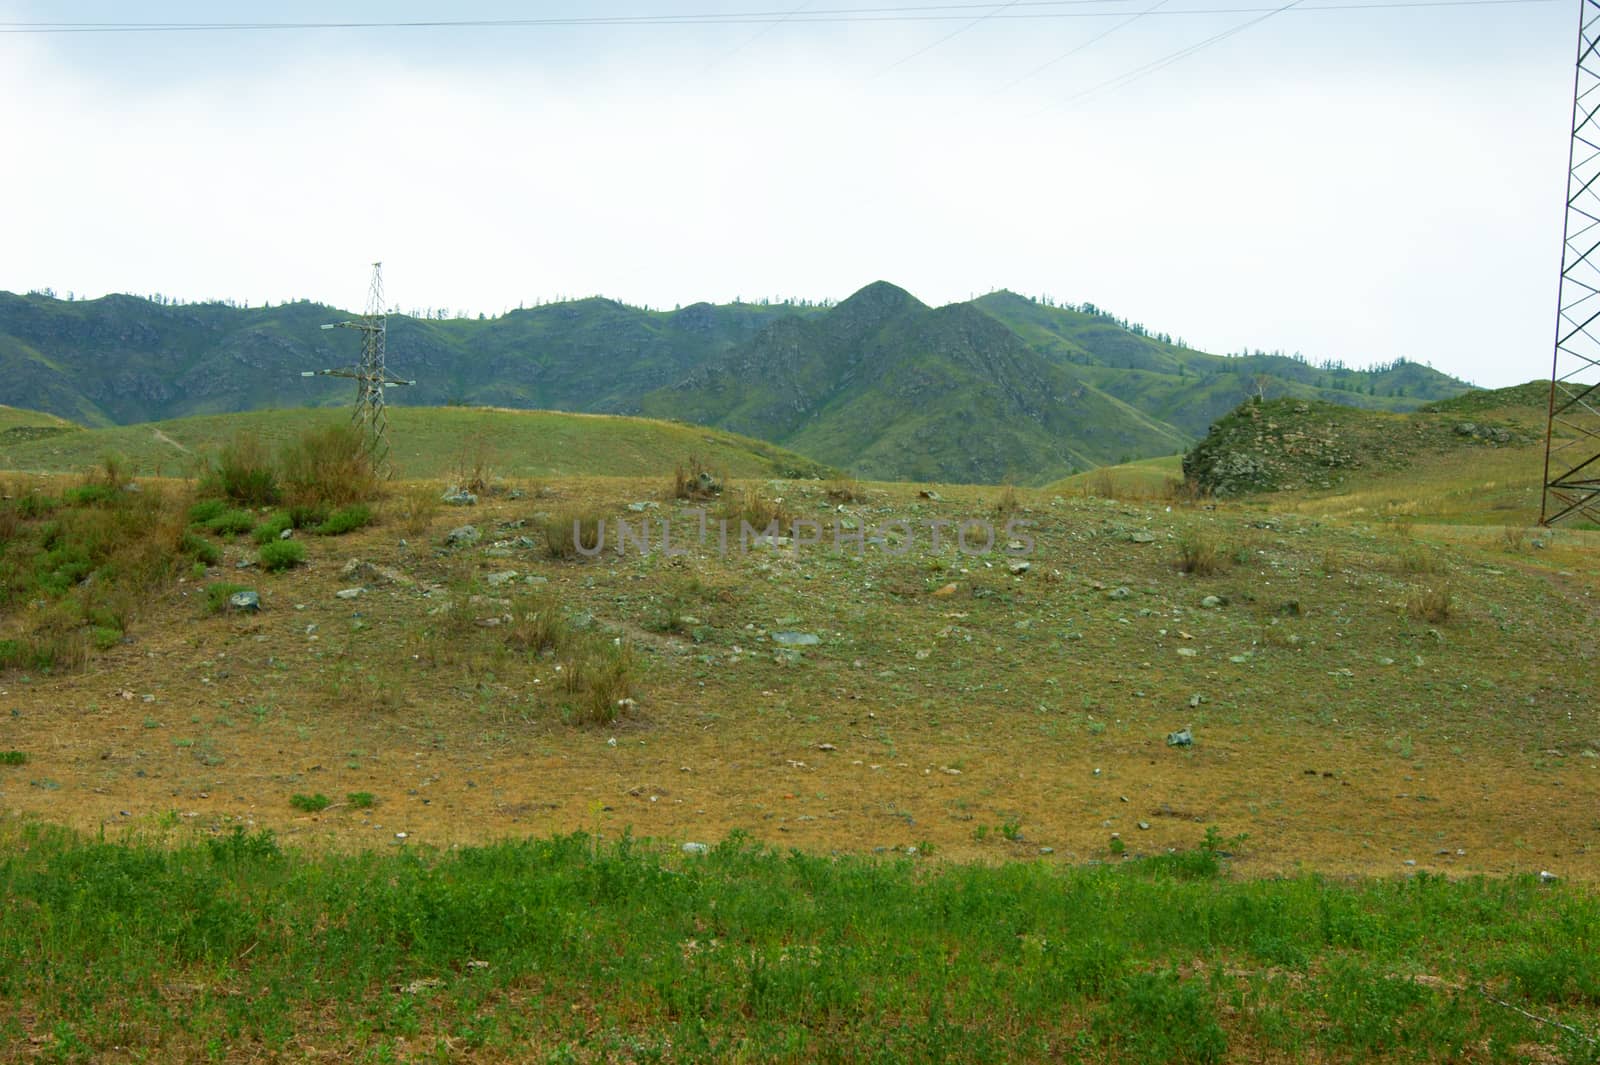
x,y
371,376
1572,458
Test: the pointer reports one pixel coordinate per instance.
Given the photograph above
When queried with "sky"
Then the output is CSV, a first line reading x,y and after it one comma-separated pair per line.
x,y
1361,185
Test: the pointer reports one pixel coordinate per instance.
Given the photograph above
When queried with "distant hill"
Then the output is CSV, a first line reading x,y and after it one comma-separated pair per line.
x,y
431,442
880,384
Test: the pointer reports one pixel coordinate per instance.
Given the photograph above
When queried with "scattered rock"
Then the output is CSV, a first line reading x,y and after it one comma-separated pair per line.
x,y
287,534
1547,877
695,848
465,536
1182,738
1139,536
1144,826
495,580
826,747
459,497
796,639
640,508
1019,568
1212,602
1118,592
349,593
247,602
928,493
945,592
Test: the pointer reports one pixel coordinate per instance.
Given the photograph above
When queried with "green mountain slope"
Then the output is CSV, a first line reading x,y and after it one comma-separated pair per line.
x,y
881,384
892,389
123,360
1190,389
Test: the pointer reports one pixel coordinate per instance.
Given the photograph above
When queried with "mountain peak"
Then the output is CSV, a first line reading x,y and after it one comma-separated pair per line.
x,y
882,297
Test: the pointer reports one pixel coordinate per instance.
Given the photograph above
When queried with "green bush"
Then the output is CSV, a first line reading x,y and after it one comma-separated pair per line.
x,y
217,596
243,472
206,510
281,555
346,519
272,528
13,758
199,548
309,803
598,678
309,515
232,523
361,800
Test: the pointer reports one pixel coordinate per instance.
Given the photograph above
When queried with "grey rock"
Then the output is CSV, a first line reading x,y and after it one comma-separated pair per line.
x,y
695,848
1142,537
464,536
495,580
796,639
1118,592
1144,826
1547,877
247,601
248,563
349,593
287,534
459,497
1212,602
928,493
1019,568
516,493
1182,738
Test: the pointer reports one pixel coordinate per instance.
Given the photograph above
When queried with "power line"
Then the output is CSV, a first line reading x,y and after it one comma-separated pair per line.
x,y
952,34
1069,53
1138,73
928,13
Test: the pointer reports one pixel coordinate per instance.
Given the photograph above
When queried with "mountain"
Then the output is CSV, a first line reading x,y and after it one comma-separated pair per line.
x,y
881,384
892,389
121,359
1190,389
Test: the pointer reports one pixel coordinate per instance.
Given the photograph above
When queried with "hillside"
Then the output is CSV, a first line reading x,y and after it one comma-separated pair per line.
x,y
431,442
895,390
880,384
1190,389
1354,461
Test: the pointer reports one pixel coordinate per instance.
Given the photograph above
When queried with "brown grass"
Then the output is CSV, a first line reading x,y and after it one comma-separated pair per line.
x,y
1200,554
696,481
566,530
1432,603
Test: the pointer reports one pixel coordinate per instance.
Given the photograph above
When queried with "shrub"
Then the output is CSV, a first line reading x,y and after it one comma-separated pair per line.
x,y
598,675
418,509
346,519
217,596
281,555
232,523
309,803
361,800
272,529
566,531
199,548
243,472
330,466
1200,554
1432,604
206,510
13,758
309,515
1008,503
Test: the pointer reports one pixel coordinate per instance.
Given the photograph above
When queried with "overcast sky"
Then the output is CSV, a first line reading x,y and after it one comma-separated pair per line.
x,y
1350,184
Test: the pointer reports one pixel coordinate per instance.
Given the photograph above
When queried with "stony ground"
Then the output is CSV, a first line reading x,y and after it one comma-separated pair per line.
x,y
948,703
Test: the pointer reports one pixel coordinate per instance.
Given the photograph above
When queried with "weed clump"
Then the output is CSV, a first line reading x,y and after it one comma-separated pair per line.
x,y
310,803
331,467
762,515
1433,604
346,519
597,677
1200,554
217,596
695,481
845,490
572,533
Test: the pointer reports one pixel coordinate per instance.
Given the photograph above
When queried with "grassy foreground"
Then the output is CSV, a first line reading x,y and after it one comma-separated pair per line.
x,y
568,949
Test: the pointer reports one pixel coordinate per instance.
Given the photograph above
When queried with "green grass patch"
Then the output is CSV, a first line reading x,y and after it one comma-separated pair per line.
x,y
574,948
310,803
272,528
13,757
361,800
217,596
